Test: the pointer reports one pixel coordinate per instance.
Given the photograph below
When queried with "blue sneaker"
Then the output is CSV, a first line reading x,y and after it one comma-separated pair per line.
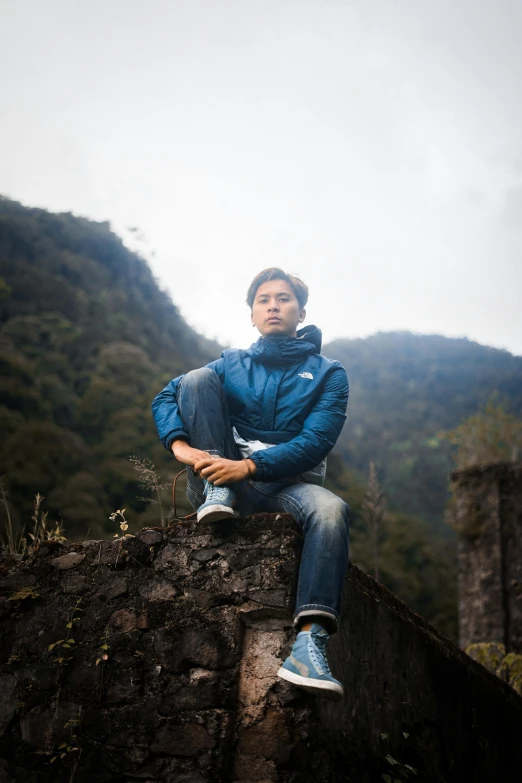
x,y
219,503
307,666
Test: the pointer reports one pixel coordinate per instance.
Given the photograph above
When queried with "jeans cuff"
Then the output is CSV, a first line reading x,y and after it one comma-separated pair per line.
x,y
317,610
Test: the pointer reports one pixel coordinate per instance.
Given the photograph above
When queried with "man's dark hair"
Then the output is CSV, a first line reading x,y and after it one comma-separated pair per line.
x,y
274,273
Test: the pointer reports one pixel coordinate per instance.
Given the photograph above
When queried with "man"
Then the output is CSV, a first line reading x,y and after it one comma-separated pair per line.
x,y
254,429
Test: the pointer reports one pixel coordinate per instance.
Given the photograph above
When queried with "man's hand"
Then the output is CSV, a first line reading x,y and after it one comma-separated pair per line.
x,y
188,455
224,471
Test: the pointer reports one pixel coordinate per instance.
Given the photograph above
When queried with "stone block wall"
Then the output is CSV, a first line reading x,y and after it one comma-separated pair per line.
x,y
488,516
154,658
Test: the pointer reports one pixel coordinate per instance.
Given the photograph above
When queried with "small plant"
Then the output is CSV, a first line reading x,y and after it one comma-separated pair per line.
x,y
124,525
399,771
103,647
150,481
39,523
66,749
15,543
40,532
57,534
68,641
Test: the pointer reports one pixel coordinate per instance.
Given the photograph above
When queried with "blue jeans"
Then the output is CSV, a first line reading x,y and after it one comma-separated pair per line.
x,y
323,517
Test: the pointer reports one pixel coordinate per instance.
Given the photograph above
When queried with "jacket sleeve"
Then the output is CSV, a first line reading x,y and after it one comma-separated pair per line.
x,y
165,409
320,431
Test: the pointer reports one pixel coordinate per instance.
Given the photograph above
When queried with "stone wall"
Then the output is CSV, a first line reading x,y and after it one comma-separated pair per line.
x,y
171,675
488,516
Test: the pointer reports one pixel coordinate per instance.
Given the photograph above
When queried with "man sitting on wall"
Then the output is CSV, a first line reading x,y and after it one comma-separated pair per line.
x,y
254,429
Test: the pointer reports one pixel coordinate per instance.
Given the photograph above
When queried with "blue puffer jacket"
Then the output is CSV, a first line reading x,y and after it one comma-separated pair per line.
x,y
280,391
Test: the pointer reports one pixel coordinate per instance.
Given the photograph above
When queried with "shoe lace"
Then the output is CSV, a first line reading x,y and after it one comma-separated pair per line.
x,y
216,493
318,652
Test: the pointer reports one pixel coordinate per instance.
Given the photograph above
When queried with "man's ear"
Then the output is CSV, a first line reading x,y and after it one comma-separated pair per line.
x,y
252,318
302,316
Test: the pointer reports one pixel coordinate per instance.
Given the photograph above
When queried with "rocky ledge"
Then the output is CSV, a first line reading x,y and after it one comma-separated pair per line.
x,y
154,658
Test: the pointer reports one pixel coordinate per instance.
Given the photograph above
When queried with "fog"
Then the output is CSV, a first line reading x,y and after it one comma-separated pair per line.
x,y
372,148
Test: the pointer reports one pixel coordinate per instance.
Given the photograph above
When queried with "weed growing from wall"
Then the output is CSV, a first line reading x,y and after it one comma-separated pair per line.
x,y
13,543
150,481
68,642
119,516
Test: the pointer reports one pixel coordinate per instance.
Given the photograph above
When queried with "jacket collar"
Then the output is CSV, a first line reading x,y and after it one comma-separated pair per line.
x,y
287,350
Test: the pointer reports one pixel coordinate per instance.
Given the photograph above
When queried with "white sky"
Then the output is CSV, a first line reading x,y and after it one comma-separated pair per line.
x,y
372,147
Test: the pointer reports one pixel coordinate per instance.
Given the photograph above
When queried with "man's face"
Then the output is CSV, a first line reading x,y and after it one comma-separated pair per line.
x,y
276,310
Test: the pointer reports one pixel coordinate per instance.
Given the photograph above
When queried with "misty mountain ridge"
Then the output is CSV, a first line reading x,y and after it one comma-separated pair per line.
x,y
87,338
405,389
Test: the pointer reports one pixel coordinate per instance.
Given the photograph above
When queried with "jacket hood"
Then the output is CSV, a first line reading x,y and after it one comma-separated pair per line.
x,y
287,350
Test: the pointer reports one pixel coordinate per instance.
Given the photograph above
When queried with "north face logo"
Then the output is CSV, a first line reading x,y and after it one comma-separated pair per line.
x,y
306,375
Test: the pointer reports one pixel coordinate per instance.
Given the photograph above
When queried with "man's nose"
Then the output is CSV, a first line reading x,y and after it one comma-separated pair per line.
x,y
274,305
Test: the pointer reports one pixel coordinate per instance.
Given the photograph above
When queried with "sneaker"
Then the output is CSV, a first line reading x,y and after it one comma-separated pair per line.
x,y
307,666
219,503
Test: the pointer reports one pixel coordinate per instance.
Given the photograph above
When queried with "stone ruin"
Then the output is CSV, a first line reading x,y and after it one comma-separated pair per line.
x,y
154,658
488,516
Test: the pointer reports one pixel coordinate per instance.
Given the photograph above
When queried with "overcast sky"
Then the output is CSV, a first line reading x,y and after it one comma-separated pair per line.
x,y
372,147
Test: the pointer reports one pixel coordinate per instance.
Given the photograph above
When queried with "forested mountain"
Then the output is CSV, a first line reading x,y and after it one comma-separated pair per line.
x,y
404,390
87,338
